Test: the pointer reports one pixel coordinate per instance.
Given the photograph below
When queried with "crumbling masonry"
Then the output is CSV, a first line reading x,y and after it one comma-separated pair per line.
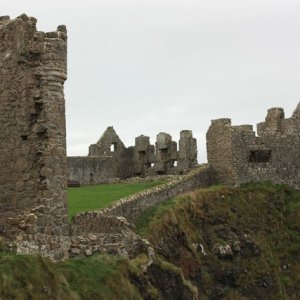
x,y
236,155
33,204
109,159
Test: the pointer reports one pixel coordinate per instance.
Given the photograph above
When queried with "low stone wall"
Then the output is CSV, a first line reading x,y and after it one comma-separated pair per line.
x,y
93,222
110,230
92,232
133,206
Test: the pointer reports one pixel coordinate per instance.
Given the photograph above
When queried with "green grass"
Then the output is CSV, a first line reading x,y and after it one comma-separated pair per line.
x,y
98,277
153,214
143,221
94,197
268,214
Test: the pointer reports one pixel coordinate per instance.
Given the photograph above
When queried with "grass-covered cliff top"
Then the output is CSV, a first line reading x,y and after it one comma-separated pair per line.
x,y
232,243
216,243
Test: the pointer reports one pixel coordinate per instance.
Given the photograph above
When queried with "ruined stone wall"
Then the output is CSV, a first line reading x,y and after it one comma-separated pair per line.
x,y
143,156
92,232
237,155
109,144
133,206
90,170
143,159
33,204
111,231
187,154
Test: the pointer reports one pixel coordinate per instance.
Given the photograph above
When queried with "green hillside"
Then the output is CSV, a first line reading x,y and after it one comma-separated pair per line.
x,y
216,243
232,243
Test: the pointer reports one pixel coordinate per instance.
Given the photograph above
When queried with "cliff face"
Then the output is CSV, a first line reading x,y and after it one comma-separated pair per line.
x,y
232,243
216,243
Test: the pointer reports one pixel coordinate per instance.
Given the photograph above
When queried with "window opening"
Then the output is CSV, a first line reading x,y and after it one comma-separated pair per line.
x,y
260,156
113,147
142,155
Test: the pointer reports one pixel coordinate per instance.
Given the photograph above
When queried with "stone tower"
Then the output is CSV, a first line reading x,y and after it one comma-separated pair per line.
x,y
33,204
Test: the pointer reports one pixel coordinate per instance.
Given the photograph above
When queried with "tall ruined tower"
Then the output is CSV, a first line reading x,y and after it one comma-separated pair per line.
x,y
33,204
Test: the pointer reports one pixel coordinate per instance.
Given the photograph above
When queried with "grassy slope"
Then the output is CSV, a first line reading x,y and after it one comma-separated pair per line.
x,y
93,197
267,267
97,277
264,218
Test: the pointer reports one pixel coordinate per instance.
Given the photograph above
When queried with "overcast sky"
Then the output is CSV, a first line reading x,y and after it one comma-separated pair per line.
x,y
167,65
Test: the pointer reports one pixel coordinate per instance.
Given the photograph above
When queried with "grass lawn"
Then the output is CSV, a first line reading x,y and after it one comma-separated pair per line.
x,y
93,197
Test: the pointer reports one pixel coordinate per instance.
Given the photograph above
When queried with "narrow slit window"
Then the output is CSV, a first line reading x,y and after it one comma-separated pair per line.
x,y
113,147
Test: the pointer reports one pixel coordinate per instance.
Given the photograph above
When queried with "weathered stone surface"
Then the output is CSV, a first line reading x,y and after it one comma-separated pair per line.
x,y
110,230
109,159
109,144
33,206
236,155
98,233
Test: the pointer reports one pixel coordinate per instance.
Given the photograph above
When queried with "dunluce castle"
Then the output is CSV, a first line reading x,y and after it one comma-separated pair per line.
x,y
35,169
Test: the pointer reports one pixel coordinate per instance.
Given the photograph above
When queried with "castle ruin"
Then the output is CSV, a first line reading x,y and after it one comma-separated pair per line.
x,y
33,203
109,159
236,155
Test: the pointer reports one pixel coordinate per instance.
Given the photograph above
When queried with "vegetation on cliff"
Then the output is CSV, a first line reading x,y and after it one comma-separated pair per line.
x,y
97,277
231,243
216,243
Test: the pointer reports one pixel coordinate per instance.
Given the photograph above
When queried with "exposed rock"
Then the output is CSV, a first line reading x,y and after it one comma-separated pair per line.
x,y
170,284
223,251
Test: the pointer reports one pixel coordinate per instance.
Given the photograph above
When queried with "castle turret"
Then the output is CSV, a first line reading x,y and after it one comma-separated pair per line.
x,y
33,203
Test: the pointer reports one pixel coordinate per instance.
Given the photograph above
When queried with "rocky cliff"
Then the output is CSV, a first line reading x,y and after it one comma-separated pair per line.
x,y
216,243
